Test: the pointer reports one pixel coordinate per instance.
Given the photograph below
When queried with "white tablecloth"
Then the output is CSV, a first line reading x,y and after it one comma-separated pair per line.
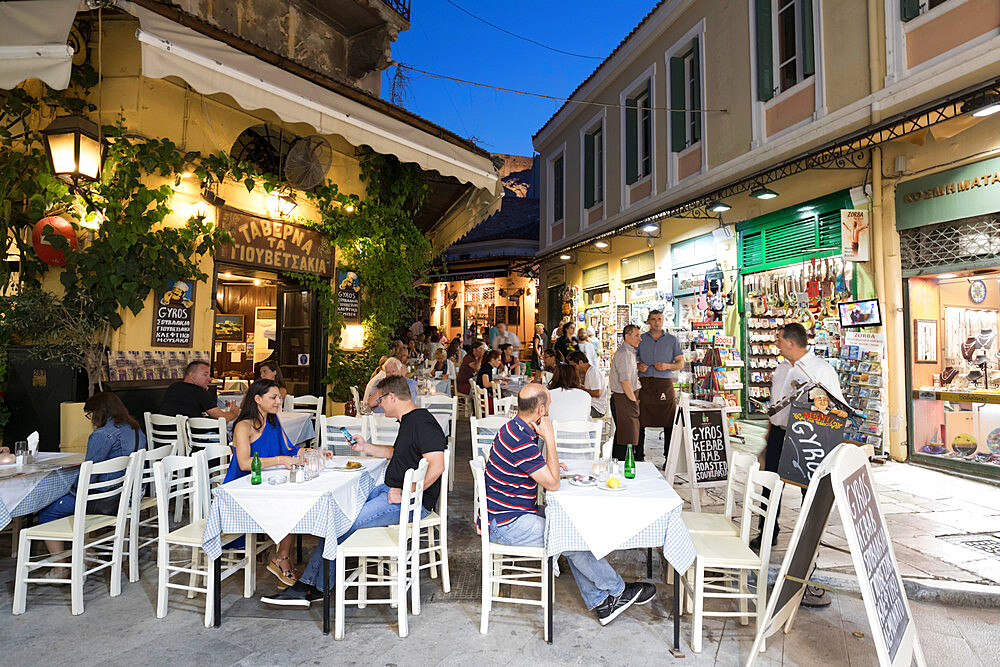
x,y
31,488
298,425
223,398
423,400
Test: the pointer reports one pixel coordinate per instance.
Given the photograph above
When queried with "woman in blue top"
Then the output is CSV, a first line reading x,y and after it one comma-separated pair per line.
x,y
116,433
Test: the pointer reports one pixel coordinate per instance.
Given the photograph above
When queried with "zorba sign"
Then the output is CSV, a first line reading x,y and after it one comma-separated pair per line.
x,y
274,245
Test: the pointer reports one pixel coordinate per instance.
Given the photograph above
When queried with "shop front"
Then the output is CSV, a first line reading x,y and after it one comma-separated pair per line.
x,y
695,263
598,311
475,300
642,291
949,229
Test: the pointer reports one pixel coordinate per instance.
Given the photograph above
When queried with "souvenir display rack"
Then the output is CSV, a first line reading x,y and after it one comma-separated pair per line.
x,y
862,379
719,373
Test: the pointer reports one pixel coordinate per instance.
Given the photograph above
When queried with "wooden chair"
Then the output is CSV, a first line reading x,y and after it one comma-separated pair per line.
x,y
139,502
333,439
93,538
307,403
483,431
578,440
740,468
396,545
200,432
434,530
526,567
446,406
165,430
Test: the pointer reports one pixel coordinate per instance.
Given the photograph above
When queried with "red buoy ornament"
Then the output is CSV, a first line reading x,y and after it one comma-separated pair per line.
x,y
43,247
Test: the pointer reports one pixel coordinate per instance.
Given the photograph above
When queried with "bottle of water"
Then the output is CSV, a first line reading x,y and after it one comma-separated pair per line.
x,y
255,467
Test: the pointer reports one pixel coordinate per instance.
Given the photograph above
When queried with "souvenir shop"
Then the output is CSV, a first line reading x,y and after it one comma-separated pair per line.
x,y
949,228
642,291
701,287
475,300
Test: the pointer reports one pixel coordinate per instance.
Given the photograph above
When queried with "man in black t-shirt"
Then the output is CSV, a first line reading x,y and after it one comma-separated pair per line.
x,y
190,397
420,437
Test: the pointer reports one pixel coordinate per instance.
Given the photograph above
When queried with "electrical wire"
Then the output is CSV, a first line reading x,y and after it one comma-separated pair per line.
x,y
606,105
516,36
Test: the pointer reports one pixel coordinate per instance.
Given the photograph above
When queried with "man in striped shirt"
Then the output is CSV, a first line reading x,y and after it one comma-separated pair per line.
x,y
514,470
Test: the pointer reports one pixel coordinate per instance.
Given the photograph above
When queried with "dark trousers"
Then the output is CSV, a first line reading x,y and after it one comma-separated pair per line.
x,y
772,456
626,416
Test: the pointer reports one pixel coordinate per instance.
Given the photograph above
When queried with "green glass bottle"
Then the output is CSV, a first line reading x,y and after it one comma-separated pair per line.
x,y
255,469
629,463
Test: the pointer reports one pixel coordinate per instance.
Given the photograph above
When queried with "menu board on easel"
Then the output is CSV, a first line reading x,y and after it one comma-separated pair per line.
x,y
699,446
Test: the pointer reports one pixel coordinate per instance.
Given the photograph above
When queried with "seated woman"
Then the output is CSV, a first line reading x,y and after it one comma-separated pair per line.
x,y
258,431
440,362
269,370
455,351
486,377
545,373
568,402
115,434
508,359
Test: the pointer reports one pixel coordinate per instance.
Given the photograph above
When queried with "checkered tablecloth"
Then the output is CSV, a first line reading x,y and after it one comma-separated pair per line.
x,y
324,519
50,486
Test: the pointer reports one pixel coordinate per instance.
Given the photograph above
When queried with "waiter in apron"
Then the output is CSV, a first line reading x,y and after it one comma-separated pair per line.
x,y
659,358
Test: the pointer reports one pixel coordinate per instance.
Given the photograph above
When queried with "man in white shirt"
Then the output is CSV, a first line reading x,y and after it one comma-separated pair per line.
x,y
585,344
504,336
392,366
593,382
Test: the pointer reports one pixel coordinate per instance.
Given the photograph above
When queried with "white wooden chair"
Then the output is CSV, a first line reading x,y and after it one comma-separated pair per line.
x,y
396,545
307,403
579,440
740,468
177,476
446,406
480,405
503,564
330,436
382,430
200,432
93,538
357,398
483,431
217,458
501,407
729,559
139,502
434,528
165,430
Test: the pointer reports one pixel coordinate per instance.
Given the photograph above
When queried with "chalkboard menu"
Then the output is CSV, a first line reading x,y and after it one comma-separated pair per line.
x,y
708,443
173,315
880,569
809,437
348,296
802,554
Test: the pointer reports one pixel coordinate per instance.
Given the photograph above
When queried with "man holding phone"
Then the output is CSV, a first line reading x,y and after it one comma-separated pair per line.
x,y
420,437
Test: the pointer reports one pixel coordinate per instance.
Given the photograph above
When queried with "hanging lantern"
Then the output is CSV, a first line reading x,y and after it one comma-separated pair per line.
x,y
75,150
43,247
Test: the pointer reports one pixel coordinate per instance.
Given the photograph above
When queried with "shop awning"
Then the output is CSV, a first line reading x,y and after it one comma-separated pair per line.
x,y
210,66
477,273
33,42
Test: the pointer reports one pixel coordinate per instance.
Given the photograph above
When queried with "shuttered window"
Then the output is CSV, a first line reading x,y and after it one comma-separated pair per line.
x,y
785,45
593,167
685,93
638,134
558,189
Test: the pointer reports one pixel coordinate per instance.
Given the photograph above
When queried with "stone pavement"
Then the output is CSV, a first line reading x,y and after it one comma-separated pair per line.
x,y
125,630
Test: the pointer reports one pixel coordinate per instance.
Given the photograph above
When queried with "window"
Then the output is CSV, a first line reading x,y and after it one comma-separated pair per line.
x,y
593,167
685,93
638,134
785,45
557,190
911,9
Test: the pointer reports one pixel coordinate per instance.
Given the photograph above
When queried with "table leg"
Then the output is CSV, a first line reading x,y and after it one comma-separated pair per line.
x,y
326,597
676,650
649,562
552,588
298,548
217,576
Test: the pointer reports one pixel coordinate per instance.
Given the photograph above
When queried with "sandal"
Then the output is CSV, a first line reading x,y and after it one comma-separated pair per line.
x,y
286,577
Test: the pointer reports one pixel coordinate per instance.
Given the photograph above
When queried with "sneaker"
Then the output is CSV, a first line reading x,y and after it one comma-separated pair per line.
x,y
614,605
647,592
815,597
294,596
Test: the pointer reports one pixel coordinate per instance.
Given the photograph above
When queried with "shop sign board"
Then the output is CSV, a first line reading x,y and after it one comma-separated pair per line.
x,y
699,442
348,296
273,245
855,235
813,432
949,195
708,445
173,316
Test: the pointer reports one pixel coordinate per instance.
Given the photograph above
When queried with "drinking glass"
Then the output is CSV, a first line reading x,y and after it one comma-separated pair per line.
x,y
20,447
603,470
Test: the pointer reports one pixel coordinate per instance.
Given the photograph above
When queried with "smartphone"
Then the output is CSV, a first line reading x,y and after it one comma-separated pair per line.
x,y
348,436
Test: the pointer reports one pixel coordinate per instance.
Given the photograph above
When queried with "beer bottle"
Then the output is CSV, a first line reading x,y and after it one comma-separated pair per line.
x,y
255,469
629,463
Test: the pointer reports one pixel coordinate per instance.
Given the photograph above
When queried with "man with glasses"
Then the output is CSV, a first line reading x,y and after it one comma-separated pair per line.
x,y
420,437
391,368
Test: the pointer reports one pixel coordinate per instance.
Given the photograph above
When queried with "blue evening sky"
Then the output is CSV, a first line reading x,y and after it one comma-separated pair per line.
x,y
444,40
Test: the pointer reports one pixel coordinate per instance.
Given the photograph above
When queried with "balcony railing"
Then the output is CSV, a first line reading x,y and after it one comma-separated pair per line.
x,y
401,7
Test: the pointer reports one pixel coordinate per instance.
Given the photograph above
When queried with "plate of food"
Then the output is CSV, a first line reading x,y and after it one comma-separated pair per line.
x,y
613,485
349,466
582,480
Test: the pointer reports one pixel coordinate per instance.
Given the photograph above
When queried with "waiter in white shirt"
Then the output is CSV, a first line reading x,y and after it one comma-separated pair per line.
x,y
504,336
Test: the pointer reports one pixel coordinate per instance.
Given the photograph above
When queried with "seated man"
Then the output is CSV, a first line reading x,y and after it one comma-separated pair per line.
x,y
420,437
190,397
593,382
392,367
513,471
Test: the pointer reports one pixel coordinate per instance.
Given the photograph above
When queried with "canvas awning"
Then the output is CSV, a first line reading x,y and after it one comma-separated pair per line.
x,y
33,44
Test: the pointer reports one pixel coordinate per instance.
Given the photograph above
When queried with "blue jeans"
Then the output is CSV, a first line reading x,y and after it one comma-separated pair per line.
x,y
65,506
377,511
595,577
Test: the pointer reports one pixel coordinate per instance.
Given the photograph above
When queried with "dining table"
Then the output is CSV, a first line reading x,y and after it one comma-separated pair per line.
x,y
298,425
643,512
29,488
325,506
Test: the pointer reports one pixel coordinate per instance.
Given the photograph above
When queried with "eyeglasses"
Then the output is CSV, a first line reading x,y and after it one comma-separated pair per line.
x,y
378,401
88,415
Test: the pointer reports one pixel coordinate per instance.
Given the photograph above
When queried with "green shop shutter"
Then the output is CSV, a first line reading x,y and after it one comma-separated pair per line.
x,y
808,44
647,127
588,170
765,65
595,277
677,134
696,101
631,141
909,9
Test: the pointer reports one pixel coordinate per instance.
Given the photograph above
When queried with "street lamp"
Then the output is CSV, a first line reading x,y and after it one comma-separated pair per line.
x,y
74,148
761,192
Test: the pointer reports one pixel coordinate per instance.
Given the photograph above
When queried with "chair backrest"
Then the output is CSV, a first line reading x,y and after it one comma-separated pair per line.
x,y
480,512
409,515
331,437
217,458
578,439
164,430
740,468
480,405
756,504
483,432
144,477
382,430
307,402
502,406
201,432
178,478
108,483
446,406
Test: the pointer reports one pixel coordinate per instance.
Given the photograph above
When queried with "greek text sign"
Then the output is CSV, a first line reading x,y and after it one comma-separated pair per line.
x,y
274,245
173,315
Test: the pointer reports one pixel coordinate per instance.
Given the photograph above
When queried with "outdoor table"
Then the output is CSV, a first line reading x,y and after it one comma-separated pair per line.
x,y
325,506
514,386
645,513
223,398
298,425
27,489
443,420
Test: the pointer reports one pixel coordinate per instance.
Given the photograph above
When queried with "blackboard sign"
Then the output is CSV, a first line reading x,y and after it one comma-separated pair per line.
x,y
866,522
456,317
800,558
173,315
348,296
708,444
809,437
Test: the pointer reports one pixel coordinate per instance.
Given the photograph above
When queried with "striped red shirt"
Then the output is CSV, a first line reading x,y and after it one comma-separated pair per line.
x,y
510,490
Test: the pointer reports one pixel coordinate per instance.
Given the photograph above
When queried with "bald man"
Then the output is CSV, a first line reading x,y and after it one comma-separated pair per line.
x,y
514,470
390,368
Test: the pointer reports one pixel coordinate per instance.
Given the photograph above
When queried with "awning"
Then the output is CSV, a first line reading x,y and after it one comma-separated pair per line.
x,y
33,42
468,274
209,66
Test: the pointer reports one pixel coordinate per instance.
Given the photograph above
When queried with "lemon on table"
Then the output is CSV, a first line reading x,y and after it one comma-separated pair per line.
x,y
612,483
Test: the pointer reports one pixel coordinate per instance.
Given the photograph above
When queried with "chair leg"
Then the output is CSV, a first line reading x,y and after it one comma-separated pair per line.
x,y
741,588
195,564
414,584
133,545
393,595
77,567
431,556
363,580
20,586
338,623
487,592
400,596
497,573
443,550
162,562
546,602
117,554
697,620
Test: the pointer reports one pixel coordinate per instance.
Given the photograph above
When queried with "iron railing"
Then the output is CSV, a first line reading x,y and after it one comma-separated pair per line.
x,y
401,7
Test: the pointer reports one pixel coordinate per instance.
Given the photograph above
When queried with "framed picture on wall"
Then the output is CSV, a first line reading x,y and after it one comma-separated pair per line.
x,y
500,315
925,336
513,316
229,328
456,317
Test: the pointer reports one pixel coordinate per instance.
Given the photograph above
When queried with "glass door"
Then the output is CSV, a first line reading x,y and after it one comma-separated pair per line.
x,y
299,350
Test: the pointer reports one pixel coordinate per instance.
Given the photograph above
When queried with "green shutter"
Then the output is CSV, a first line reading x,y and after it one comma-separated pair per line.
x,y
588,170
677,83
696,101
909,9
647,127
765,64
631,141
808,44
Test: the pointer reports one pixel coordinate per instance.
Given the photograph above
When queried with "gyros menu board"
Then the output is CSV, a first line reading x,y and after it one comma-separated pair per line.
x,y
708,442
813,432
